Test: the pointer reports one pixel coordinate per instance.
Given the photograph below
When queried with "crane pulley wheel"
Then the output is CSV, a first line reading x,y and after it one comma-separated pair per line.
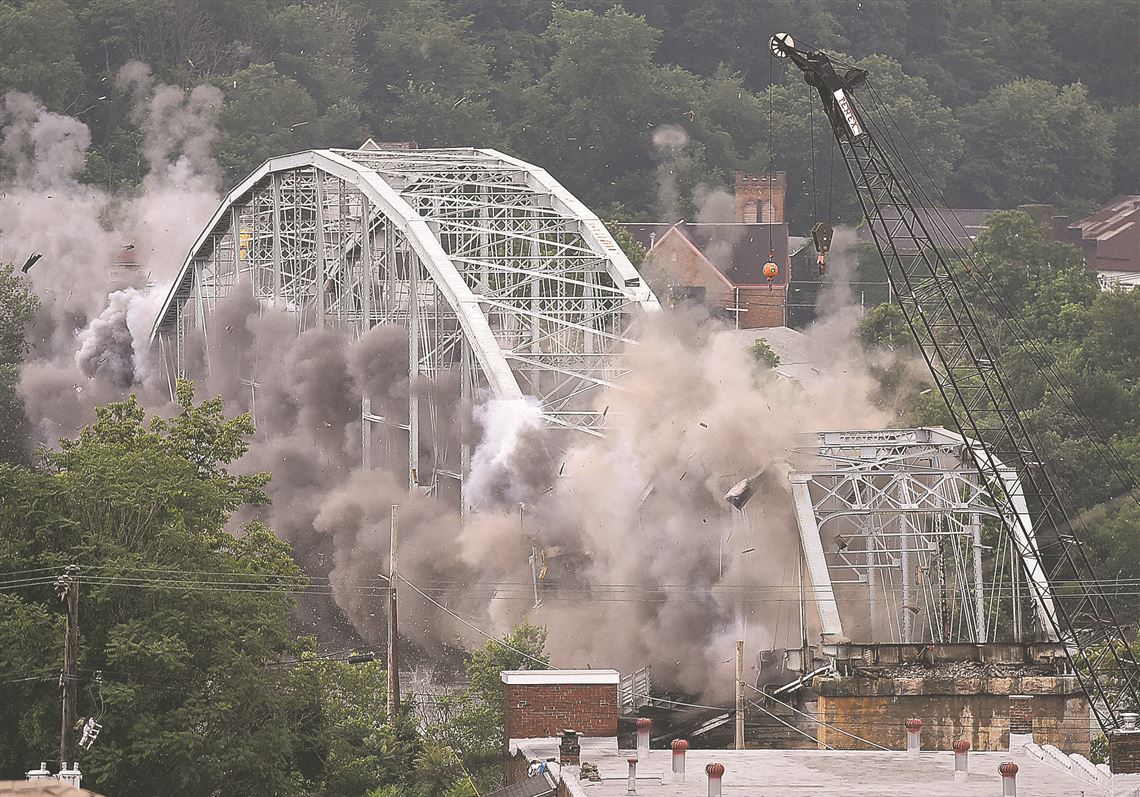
x,y
779,42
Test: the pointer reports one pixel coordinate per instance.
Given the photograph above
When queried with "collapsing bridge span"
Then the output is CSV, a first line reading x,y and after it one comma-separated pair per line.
x,y
496,272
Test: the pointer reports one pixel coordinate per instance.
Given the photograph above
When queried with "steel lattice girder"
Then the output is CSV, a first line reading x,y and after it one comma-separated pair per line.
x,y
876,506
495,270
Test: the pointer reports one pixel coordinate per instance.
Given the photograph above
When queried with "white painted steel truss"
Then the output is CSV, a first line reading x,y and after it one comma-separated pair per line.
x,y
897,546
496,272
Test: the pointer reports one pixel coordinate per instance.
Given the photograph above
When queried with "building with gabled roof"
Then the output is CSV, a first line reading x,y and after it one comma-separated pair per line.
x,y
720,265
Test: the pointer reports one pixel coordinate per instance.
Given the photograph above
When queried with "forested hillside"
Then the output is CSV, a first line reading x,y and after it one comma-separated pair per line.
x,y
1008,102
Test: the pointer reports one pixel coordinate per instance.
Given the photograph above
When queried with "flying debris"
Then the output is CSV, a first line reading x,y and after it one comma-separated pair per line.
x,y
743,490
31,261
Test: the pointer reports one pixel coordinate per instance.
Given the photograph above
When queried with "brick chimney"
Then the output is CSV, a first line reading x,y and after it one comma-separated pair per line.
x,y
540,704
760,197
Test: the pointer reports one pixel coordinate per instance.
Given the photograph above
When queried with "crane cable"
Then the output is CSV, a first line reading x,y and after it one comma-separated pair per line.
x,y
771,148
811,136
999,299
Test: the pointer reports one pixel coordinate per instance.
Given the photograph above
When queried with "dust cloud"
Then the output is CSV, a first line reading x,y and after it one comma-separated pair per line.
x,y
642,559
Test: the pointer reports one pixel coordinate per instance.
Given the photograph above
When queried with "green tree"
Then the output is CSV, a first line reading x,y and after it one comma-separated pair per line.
x,y
593,115
17,305
885,327
632,247
1126,142
39,44
186,629
474,722
1032,141
264,114
762,353
316,47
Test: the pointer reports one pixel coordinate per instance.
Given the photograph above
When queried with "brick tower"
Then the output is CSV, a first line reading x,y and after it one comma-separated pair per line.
x,y
760,197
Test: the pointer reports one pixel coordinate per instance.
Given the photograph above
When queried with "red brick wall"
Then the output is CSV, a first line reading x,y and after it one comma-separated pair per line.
x,y
1124,753
675,262
758,189
763,306
540,711
1020,714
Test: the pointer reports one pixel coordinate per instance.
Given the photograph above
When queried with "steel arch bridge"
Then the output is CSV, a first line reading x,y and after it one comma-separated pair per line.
x,y
495,271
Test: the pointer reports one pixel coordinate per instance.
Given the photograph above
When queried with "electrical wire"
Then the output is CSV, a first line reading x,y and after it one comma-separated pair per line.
x,y
475,628
788,724
814,719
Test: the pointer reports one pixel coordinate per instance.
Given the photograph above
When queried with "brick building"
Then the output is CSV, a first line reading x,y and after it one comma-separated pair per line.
x,y
1109,239
720,265
584,757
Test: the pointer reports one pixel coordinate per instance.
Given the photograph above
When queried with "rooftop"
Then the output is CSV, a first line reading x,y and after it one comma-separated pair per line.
x,y
805,773
738,250
1111,219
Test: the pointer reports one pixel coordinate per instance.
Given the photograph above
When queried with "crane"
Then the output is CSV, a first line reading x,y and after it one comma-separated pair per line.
x,y
929,286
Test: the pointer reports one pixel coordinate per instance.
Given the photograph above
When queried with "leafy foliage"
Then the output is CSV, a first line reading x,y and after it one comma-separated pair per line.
x,y
1019,101
474,723
762,353
1089,337
17,305
185,630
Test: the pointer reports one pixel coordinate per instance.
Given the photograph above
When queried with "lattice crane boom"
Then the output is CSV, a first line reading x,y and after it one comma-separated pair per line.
x,y
928,286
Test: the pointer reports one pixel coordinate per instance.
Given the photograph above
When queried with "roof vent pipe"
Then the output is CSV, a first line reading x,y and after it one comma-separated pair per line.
x,y
715,772
679,747
961,761
643,726
1008,772
913,737
631,783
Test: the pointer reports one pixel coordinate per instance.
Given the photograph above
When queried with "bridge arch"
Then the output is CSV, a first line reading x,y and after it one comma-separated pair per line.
x,y
493,268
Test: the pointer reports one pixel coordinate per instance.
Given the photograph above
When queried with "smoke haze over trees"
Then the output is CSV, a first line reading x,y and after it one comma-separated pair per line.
x,y
1026,101
125,119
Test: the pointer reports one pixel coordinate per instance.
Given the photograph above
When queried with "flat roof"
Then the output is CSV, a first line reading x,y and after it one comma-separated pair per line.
x,y
540,677
808,773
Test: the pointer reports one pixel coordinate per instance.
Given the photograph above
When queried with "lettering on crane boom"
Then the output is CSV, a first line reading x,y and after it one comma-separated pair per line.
x,y
848,113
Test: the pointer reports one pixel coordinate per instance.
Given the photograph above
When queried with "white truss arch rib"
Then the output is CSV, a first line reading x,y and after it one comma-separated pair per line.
x,y
421,239
497,272
891,523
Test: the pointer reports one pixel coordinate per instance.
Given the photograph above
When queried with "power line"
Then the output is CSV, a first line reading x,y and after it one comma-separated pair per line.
x,y
478,630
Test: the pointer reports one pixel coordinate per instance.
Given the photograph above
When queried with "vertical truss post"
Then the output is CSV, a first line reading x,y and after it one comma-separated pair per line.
x,y
275,182
831,626
414,372
979,584
321,253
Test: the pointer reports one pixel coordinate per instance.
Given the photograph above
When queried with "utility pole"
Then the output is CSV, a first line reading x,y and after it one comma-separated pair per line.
x,y
740,694
67,587
393,626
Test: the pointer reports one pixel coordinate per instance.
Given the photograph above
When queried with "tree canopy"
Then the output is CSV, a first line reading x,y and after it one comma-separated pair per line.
x,y
1006,103
188,657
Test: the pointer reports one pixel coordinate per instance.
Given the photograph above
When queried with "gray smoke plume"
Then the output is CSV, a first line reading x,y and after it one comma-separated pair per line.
x,y
839,291
645,563
669,143
178,129
106,259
